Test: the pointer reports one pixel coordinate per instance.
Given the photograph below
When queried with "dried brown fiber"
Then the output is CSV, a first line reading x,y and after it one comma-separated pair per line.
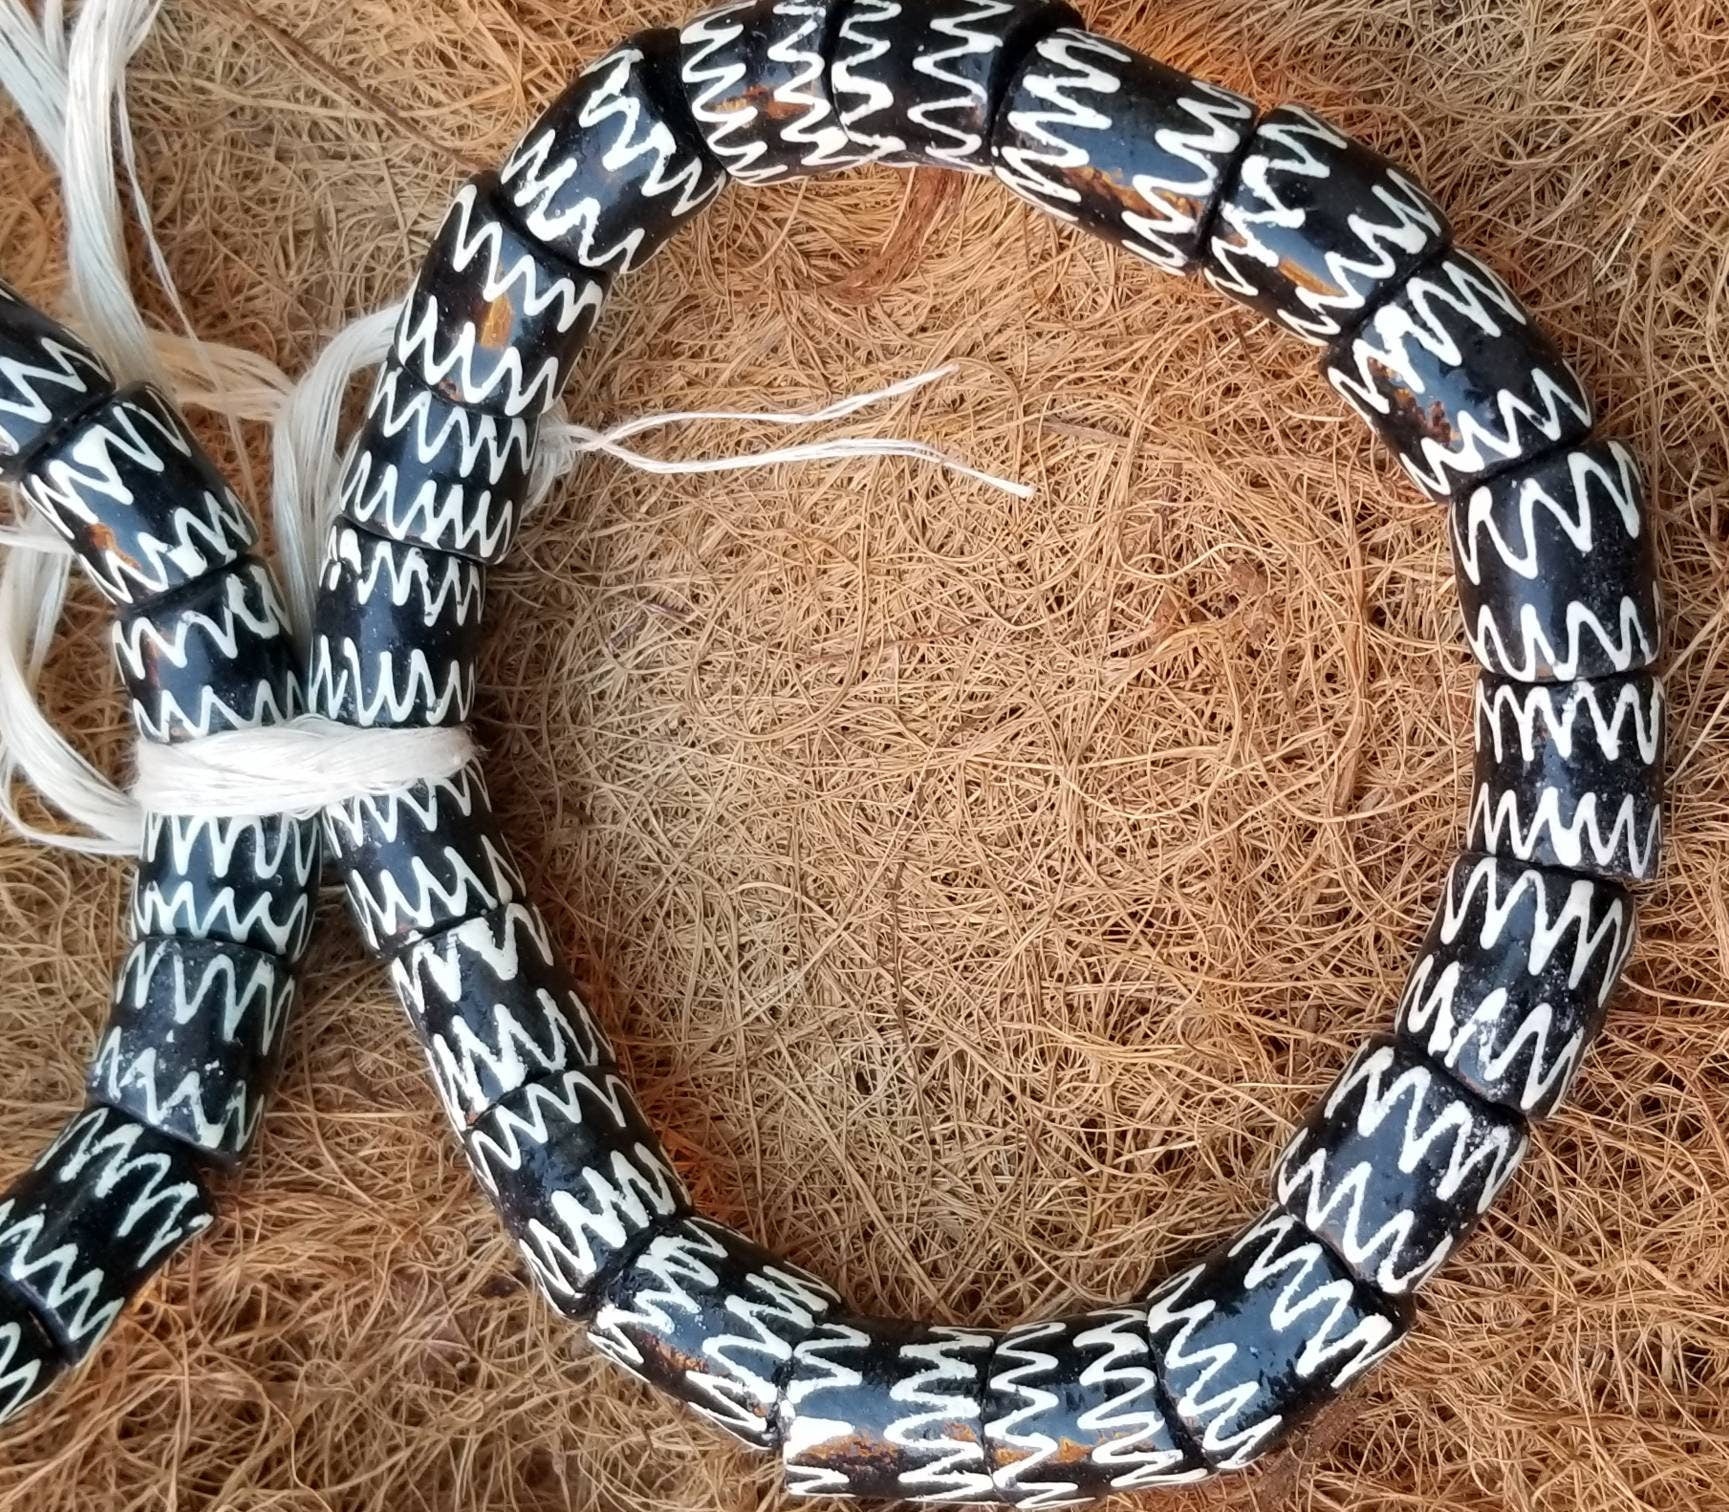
x,y
977,889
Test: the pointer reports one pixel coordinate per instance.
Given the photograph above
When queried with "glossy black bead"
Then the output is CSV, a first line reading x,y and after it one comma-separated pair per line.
x,y
397,633
421,858
494,321
616,164
218,655
1073,1411
1119,144
494,1008
878,1408
97,1215
48,378
30,1361
1315,229
1571,774
1262,1333
711,1320
921,84
1513,980
431,473
1395,1165
1452,372
577,1176
1556,568
756,75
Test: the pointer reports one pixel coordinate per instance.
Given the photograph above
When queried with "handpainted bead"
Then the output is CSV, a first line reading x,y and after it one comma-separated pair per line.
x,y
494,1008
711,1320
216,656
106,1204
1451,371
921,83
578,1178
133,492
431,473
398,633
30,1361
494,321
1119,144
48,378
420,859
756,76
1262,1333
1072,1412
250,881
1396,1164
1514,977
879,1408
616,164
1556,569
1571,774
1316,229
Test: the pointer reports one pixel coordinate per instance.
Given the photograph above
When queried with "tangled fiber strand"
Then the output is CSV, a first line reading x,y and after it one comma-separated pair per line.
x,y
977,888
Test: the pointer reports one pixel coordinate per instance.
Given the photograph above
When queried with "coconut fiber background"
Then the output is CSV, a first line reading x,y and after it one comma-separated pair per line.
x,y
977,889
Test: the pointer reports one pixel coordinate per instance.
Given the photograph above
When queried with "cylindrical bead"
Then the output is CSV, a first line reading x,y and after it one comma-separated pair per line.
x,y
48,378
30,1360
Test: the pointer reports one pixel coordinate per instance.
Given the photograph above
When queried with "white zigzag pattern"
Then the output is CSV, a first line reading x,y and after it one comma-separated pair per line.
x,y
1580,839
20,1370
1222,117
1569,713
392,901
857,47
249,612
440,586
23,386
209,908
385,690
379,818
969,38
238,986
822,142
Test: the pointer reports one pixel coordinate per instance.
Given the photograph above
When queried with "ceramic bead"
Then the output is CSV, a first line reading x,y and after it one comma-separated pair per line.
x,y
106,1204
420,859
1396,1164
192,1041
1453,374
494,1008
1119,144
431,473
1072,1412
1514,977
1315,229
48,379
920,84
30,1361
756,77
887,1409
1571,774
494,321
216,656
1259,1335
616,165
1556,570
712,1321
578,1178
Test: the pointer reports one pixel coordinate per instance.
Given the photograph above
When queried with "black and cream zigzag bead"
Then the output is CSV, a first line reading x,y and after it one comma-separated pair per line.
x,y
1120,144
1556,568
30,1361
48,378
1514,977
1571,774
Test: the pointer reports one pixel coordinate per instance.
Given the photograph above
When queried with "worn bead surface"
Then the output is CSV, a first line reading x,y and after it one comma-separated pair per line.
x,y
616,164
218,655
1072,1411
577,1176
48,378
1396,1164
494,321
1556,569
30,1361
398,633
1571,774
1453,374
494,1008
881,1408
920,83
1514,977
711,1320
420,858
756,76
1120,144
106,1204
1262,1333
1315,228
